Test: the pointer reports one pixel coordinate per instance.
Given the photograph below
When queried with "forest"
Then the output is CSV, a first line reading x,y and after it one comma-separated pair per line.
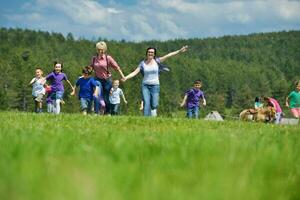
x,y
233,69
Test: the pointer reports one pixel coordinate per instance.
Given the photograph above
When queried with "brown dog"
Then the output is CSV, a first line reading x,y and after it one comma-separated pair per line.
x,y
266,114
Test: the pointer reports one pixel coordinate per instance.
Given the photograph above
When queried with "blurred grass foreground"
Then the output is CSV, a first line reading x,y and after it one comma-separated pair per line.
x,y
75,157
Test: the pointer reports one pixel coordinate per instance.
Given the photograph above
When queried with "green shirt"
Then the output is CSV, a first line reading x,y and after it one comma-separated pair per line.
x,y
294,99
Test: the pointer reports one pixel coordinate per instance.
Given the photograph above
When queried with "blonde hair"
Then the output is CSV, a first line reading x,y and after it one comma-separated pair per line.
x,y
101,45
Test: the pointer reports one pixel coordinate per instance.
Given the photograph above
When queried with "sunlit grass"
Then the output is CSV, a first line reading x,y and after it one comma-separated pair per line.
x,y
76,157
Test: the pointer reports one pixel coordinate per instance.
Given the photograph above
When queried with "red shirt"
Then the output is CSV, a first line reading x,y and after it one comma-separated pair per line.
x,y
100,66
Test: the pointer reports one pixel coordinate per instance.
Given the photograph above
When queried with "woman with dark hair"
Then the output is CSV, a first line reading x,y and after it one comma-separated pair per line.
x,y
150,68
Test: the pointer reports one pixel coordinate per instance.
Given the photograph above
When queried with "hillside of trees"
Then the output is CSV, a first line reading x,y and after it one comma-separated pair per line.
x,y
234,69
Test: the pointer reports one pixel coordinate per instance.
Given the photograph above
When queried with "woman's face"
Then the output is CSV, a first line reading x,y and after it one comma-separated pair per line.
x,y
150,53
101,51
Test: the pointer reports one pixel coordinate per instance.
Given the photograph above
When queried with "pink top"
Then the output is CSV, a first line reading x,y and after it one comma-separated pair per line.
x,y
276,105
100,66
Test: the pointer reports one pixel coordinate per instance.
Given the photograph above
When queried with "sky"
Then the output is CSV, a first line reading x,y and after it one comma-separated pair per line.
x,y
134,20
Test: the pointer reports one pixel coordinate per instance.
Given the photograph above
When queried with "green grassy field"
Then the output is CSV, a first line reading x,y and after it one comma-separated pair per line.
x,y
76,157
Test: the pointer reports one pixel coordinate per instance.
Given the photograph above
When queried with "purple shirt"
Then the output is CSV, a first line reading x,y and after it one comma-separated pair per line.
x,y
193,97
56,81
101,66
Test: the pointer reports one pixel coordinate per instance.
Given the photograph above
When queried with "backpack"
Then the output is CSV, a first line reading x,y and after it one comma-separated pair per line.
x,y
161,67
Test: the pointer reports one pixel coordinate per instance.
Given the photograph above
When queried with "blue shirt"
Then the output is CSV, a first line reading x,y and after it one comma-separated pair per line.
x,y
86,87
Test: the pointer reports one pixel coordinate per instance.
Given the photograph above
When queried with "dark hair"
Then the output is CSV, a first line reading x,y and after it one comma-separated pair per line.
x,y
58,62
257,99
86,71
151,48
198,81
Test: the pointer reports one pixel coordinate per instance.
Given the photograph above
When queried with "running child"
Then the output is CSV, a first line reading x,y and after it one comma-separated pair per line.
x,y
56,79
87,92
38,90
114,98
293,101
192,100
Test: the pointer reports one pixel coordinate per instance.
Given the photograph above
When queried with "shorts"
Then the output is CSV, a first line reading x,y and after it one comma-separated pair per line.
x,y
38,98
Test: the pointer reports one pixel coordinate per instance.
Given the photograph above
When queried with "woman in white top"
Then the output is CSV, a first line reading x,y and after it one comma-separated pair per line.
x,y
150,84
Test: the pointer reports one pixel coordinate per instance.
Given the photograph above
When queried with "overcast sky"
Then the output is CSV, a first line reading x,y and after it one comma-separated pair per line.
x,y
135,20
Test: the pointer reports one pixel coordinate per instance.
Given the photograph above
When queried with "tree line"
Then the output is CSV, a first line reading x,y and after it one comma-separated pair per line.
x,y
234,69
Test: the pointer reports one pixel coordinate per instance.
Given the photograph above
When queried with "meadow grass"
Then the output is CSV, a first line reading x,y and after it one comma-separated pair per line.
x,y
90,157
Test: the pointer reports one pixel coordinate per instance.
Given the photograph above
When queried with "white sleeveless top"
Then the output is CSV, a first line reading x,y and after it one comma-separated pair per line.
x,y
151,72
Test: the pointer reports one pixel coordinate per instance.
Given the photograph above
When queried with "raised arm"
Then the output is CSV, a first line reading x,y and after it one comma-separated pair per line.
x,y
132,74
183,49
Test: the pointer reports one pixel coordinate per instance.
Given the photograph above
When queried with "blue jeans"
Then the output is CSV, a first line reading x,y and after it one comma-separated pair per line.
x,y
85,104
114,109
193,112
150,97
104,86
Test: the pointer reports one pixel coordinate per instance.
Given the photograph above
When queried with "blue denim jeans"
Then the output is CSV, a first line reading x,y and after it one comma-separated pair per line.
x,y
114,109
150,97
193,112
85,104
104,86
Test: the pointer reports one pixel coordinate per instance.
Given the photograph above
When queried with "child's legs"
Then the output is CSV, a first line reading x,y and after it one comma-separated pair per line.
x,y
296,112
189,113
196,112
277,117
83,104
58,97
146,98
115,109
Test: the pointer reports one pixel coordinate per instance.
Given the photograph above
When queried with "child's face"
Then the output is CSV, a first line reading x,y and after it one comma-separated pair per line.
x,y
116,84
298,87
38,73
57,68
197,85
85,75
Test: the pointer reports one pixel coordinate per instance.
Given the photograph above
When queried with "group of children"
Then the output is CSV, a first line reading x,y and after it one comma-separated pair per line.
x,y
91,92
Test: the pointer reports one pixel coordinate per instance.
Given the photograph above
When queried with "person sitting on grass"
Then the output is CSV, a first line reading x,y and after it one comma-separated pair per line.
x,y
192,100
87,92
271,102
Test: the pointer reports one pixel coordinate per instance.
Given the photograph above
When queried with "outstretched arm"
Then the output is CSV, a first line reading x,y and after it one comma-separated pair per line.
x,y
73,91
70,84
183,101
132,74
183,49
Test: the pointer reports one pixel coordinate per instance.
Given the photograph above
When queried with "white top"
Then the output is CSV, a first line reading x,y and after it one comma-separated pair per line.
x,y
38,86
151,71
114,98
